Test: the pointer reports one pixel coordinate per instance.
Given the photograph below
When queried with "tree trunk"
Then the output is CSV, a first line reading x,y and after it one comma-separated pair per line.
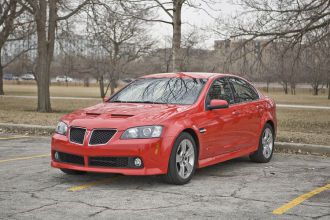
x,y
113,85
1,76
293,88
315,90
46,41
101,84
86,82
7,26
329,90
42,72
176,38
114,68
285,87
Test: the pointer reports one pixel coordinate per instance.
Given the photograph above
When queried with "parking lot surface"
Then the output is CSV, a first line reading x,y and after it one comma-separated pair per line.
x,y
237,189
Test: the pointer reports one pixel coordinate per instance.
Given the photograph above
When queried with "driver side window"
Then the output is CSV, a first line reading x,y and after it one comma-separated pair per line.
x,y
220,89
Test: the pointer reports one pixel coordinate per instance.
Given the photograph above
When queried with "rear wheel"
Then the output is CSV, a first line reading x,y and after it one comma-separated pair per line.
x,y
72,172
182,163
266,146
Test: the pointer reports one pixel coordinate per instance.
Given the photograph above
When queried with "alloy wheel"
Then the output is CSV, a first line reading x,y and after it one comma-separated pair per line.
x,y
267,143
185,158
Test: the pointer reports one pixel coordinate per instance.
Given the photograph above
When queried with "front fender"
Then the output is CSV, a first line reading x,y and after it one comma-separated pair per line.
x,y
174,129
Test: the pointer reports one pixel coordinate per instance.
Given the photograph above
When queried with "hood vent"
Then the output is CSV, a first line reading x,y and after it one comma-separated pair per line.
x,y
120,116
93,113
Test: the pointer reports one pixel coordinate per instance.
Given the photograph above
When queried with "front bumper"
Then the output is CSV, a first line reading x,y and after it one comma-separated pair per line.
x,y
153,152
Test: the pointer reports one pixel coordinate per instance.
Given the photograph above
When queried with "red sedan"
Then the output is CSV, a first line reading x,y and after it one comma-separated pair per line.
x,y
171,124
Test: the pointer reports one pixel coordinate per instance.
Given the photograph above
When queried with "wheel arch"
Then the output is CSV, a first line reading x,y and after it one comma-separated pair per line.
x,y
195,137
271,123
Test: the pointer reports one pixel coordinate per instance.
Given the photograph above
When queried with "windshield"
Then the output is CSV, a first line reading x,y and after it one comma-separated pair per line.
x,y
183,91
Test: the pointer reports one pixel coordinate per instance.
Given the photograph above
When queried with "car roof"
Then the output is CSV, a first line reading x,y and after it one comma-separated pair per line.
x,y
199,75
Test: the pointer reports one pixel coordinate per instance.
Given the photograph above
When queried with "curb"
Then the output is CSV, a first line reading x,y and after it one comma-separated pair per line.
x,y
302,148
27,129
286,147
303,106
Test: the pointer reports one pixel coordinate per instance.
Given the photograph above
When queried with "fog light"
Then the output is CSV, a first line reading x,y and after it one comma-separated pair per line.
x,y
57,156
137,162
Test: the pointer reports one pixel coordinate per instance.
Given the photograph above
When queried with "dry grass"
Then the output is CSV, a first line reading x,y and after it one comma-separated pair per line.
x,y
296,125
302,98
62,91
22,111
304,126
55,90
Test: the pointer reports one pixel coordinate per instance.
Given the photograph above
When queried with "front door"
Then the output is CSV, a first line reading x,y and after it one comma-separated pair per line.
x,y
220,125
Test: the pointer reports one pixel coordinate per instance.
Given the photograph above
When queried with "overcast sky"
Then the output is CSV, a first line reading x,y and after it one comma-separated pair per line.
x,y
191,18
194,17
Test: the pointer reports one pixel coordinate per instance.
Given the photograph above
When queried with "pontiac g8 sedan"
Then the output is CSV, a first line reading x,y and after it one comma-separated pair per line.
x,y
169,124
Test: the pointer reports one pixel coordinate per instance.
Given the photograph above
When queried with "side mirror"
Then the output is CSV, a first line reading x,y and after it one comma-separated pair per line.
x,y
106,98
217,104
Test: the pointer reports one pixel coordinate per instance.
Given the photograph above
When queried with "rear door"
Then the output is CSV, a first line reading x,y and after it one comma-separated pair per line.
x,y
247,103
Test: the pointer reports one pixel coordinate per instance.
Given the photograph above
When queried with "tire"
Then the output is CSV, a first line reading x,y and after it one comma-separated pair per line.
x,y
183,160
72,172
266,146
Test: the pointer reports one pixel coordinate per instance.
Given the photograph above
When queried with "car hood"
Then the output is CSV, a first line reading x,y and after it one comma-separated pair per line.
x,y
122,115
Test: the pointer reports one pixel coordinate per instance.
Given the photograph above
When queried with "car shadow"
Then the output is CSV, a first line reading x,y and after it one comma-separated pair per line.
x,y
224,169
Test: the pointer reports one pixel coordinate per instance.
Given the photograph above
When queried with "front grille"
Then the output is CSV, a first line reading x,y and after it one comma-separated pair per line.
x,y
101,136
69,158
118,162
77,135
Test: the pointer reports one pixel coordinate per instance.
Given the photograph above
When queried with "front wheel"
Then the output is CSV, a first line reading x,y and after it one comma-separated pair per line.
x,y
182,163
266,146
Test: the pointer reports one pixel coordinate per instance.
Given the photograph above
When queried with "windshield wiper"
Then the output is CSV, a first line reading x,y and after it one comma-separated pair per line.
x,y
148,102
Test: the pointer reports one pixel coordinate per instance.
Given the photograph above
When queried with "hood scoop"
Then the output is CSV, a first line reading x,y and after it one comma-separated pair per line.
x,y
96,114
92,114
120,116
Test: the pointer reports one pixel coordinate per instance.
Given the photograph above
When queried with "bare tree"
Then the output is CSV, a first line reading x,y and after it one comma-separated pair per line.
x,y
100,67
172,10
122,39
317,63
9,11
277,19
189,43
285,64
47,15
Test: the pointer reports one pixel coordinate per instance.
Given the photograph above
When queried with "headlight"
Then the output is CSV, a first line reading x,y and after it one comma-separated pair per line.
x,y
143,132
61,128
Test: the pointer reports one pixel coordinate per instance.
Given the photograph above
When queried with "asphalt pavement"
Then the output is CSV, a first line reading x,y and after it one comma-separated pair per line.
x,y
289,187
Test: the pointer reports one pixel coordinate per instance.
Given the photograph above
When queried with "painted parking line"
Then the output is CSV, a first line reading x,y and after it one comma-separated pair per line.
x,y
94,183
300,199
24,158
12,137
